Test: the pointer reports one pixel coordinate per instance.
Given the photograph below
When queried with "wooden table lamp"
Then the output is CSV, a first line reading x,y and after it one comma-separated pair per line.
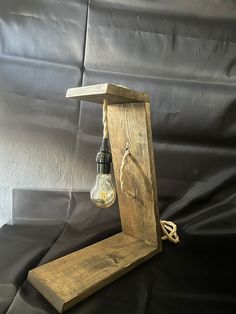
x,y
70,279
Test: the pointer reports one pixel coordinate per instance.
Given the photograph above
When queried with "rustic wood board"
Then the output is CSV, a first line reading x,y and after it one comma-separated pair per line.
x,y
130,124
68,280
113,93
153,172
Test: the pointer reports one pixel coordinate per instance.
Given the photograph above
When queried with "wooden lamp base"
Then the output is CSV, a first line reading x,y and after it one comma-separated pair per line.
x,y
70,279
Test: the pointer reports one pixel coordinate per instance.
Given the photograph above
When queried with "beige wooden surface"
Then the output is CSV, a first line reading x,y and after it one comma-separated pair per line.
x,y
68,280
113,93
130,124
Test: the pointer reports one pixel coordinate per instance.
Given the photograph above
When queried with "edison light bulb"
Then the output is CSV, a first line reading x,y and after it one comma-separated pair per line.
x,y
103,193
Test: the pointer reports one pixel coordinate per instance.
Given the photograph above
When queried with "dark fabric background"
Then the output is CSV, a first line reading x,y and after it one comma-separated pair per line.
x,y
184,54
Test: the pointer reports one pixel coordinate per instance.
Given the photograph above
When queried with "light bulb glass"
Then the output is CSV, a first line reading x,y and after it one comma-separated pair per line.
x,y
103,193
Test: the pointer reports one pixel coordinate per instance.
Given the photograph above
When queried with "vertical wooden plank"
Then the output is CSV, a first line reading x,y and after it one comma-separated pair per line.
x,y
153,171
129,124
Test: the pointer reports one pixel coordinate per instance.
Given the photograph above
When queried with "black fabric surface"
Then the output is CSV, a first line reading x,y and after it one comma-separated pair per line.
x,y
183,53
22,246
194,276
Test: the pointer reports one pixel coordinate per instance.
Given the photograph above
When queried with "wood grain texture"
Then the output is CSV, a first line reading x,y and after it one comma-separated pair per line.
x,y
153,173
113,93
129,124
68,280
